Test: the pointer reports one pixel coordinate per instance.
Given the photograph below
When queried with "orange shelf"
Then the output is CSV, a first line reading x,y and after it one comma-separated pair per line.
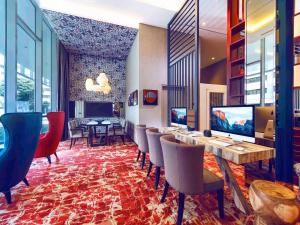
x,y
238,27
237,43
237,77
237,61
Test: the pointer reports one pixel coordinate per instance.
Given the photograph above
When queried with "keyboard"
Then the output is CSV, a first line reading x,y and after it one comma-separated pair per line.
x,y
224,144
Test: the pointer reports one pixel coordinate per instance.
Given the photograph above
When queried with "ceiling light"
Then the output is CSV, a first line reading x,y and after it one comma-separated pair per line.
x,y
256,26
213,58
171,5
203,24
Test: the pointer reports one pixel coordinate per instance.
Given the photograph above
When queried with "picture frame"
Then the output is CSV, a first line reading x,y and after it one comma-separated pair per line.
x,y
133,98
150,97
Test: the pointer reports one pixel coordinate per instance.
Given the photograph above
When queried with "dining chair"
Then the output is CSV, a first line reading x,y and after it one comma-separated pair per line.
x,y
76,133
117,131
142,143
155,151
184,172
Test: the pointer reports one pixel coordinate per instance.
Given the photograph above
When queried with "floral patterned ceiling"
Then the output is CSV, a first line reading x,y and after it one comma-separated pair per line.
x,y
91,37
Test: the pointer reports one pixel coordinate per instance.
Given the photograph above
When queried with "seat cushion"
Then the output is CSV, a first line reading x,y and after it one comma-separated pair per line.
x,y
211,182
78,134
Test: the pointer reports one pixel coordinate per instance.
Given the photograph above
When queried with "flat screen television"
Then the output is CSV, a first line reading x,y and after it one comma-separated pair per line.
x,y
179,117
237,122
98,109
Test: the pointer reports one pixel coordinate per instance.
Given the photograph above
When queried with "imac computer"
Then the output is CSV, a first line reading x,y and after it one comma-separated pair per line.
x,y
179,117
236,122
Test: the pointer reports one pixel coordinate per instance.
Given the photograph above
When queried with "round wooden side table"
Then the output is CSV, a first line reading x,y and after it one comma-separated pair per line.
x,y
273,204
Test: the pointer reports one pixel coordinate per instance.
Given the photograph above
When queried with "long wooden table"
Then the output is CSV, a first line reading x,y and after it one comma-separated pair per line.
x,y
250,153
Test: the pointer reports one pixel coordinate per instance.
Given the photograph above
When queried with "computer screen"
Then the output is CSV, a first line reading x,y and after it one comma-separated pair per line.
x,y
179,117
239,120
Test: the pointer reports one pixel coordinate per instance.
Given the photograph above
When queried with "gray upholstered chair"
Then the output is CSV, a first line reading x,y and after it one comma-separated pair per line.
x,y
76,133
156,155
142,143
184,172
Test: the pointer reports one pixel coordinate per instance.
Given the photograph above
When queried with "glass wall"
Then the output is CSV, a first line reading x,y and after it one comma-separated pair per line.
x,y
25,72
29,46
47,69
2,62
260,52
27,12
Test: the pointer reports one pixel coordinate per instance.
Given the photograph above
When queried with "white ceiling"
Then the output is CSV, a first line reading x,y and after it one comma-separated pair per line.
x,y
122,12
213,20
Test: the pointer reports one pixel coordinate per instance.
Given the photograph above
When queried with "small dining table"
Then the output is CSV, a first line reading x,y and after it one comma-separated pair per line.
x,y
92,127
223,155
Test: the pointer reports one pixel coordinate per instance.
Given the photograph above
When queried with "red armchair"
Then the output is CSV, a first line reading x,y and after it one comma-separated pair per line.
x,y
49,142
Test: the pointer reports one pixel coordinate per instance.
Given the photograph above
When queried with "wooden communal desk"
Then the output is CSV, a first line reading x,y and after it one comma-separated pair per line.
x,y
250,153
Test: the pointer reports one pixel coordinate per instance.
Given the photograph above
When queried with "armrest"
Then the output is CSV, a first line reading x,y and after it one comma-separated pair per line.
x,y
77,129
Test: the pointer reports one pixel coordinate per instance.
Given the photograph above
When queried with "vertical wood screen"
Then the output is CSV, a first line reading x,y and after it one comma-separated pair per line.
x,y
183,59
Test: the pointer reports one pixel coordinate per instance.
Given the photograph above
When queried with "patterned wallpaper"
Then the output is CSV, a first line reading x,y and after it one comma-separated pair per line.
x,y
84,66
85,36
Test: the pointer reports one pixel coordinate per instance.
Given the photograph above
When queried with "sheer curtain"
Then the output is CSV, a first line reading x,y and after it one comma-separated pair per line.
x,y
63,86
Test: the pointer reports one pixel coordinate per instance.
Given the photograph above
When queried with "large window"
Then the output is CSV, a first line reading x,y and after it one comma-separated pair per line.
x,y
28,51
47,71
260,52
253,77
2,64
26,11
25,71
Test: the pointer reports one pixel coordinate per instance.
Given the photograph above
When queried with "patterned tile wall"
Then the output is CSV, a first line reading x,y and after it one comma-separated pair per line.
x,y
85,36
85,66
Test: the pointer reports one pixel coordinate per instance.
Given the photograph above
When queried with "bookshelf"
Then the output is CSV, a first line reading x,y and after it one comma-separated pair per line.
x,y
235,52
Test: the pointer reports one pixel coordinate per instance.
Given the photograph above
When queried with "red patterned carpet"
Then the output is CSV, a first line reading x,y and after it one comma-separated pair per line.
x,y
105,185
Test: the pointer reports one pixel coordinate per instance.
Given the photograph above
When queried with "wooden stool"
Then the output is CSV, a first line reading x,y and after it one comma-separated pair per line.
x,y
273,203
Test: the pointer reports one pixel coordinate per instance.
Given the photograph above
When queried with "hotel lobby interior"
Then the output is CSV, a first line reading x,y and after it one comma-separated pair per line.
x,y
145,112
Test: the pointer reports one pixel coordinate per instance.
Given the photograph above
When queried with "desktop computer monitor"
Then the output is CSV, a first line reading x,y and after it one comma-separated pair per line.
x,y
179,117
236,122
262,115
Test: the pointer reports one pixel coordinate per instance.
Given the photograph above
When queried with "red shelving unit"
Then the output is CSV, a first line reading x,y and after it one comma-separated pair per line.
x,y
235,53
296,135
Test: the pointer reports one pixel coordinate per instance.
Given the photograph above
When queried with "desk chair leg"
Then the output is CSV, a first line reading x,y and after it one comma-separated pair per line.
x,y
143,160
26,182
123,139
7,196
157,176
163,198
138,157
56,156
220,194
149,169
180,209
49,159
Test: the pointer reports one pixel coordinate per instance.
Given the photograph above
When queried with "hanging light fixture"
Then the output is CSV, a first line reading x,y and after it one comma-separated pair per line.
x,y
89,83
101,86
102,79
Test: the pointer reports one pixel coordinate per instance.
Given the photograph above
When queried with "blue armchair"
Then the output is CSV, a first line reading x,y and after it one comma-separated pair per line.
x,y
22,132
